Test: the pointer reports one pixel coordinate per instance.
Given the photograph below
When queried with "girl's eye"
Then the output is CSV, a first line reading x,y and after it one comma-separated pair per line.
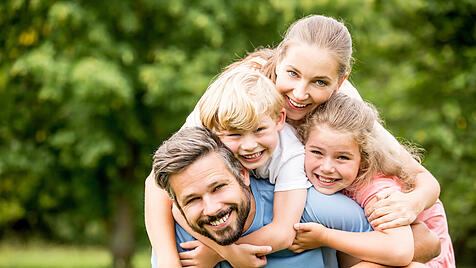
x,y
292,73
316,152
343,158
321,83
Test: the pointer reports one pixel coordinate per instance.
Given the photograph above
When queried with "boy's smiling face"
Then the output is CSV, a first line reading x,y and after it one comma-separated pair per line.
x,y
253,148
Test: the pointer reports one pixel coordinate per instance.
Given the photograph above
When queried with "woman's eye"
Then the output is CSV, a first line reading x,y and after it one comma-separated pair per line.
x,y
218,187
292,73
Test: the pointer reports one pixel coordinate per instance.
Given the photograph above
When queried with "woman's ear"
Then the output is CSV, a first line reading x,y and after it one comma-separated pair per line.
x,y
342,81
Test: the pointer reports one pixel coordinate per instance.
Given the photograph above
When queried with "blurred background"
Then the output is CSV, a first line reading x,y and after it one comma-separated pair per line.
x,y
89,89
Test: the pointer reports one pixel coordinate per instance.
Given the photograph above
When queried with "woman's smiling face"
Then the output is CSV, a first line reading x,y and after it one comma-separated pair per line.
x,y
306,76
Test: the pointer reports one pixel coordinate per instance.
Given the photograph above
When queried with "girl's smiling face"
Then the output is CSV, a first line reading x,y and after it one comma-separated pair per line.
x,y
332,160
306,76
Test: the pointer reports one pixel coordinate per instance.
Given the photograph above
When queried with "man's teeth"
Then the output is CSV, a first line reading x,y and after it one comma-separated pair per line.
x,y
220,221
297,104
251,156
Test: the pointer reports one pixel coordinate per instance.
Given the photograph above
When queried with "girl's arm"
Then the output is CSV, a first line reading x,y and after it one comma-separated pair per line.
x,y
160,224
392,247
394,208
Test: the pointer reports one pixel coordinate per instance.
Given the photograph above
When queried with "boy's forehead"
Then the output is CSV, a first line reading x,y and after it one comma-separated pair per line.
x,y
242,127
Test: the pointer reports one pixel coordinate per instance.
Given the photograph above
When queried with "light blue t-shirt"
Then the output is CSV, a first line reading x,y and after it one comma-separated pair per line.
x,y
334,211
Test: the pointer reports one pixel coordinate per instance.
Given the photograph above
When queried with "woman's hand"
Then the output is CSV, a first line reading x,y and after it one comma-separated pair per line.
x,y
199,255
308,236
392,209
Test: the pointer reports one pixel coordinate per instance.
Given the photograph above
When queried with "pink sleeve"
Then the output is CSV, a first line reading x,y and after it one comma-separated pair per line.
x,y
363,195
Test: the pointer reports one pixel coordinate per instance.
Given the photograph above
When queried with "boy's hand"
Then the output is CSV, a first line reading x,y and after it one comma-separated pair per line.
x,y
200,256
246,255
392,209
308,236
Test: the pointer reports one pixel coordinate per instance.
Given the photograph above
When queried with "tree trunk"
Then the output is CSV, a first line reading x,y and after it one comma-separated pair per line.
x,y
122,238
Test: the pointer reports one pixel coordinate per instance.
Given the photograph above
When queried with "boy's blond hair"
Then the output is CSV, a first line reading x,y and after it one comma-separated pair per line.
x,y
238,99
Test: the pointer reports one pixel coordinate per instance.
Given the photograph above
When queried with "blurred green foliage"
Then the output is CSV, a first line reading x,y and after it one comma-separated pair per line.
x,y
88,90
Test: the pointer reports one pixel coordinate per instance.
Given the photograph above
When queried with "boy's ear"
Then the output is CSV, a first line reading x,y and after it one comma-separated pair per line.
x,y
281,119
245,176
342,81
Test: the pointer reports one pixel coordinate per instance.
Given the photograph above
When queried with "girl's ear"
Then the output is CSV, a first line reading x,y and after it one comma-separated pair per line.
x,y
342,81
281,119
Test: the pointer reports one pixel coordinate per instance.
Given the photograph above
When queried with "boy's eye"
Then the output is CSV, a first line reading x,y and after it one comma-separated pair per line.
x,y
260,129
234,135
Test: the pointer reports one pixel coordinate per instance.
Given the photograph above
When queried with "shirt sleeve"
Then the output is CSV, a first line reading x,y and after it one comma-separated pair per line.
x,y
291,175
367,192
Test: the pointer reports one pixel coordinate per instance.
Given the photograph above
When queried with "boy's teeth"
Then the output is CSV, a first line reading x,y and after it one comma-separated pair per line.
x,y
297,104
220,221
250,156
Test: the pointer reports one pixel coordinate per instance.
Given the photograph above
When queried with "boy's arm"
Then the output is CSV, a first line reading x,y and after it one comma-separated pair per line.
x,y
243,255
392,247
395,208
279,234
159,224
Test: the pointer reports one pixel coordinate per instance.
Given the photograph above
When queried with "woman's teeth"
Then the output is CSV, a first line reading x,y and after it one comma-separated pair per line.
x,y
297,104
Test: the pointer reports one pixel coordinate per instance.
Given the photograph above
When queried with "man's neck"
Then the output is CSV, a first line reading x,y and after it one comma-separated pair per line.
x,y
251,214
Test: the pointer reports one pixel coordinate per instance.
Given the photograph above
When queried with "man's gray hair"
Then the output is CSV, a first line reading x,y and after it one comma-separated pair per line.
x,y
184,148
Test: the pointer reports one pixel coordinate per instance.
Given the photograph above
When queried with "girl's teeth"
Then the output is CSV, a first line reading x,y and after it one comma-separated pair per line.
x,y
325,179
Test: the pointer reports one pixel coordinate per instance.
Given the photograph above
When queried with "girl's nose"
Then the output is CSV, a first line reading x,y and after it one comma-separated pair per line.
x,y
327,166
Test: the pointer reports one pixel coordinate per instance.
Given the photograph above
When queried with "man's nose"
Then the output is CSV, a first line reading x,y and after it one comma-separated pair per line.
x,y
211,206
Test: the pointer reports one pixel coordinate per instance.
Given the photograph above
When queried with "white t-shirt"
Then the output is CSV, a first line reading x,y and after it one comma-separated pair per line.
x,y
285,167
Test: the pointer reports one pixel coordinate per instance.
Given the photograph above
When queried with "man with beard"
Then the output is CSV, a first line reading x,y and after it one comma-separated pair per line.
x,y
219,200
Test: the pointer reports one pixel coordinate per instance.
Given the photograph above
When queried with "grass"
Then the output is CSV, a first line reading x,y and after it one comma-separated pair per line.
x,y
55,256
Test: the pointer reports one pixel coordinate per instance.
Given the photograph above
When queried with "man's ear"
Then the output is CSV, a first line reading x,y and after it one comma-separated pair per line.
x,y
342,81
245,176
281,119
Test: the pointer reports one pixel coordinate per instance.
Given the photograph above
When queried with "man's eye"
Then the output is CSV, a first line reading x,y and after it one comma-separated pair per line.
x,y
191,200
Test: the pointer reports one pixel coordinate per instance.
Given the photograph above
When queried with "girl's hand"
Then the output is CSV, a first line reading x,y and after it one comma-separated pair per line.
x,y
308,236
392,209
200,256
246,255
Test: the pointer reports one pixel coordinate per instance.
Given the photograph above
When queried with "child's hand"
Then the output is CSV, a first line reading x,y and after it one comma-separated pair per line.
x,y
392,209
246,255
308,236
200,256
